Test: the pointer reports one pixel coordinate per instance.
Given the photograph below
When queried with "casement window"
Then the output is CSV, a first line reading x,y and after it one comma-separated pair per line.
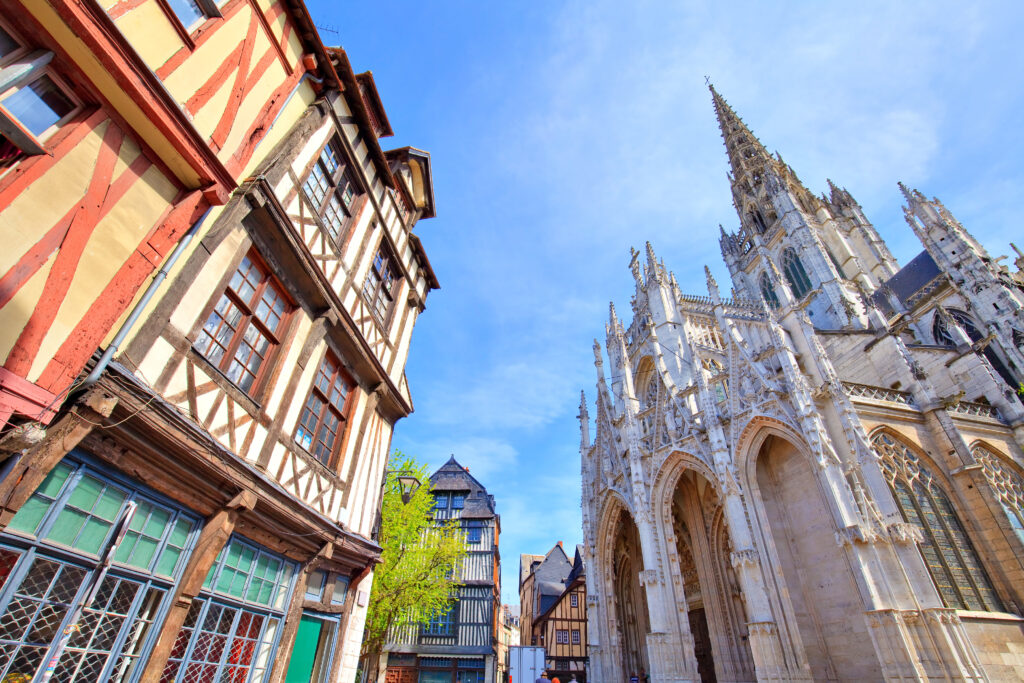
x,y
323,418
331,190
561,637
246,325
380,285
441,501
34,101
474,531
948,553
191,13
441,623
60,532
458,501
232,628
574,600
575,637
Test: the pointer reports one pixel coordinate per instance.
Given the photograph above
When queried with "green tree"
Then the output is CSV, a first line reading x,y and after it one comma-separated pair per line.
x,y
419,563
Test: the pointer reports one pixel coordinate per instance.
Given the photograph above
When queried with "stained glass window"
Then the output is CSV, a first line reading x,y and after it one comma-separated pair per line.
x,y
768,291
951,559
795,274
1007,484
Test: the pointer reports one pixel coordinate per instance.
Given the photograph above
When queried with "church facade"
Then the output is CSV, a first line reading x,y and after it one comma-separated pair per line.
x,y
820,477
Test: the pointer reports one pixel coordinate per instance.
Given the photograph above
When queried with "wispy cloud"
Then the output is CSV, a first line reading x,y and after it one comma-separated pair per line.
x,y
564,135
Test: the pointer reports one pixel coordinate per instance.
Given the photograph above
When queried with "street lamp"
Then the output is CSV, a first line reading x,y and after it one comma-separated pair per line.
x,y
408,483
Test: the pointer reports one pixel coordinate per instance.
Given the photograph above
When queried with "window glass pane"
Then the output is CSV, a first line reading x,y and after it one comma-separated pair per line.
x,y
7,43
38,105
441,501
187,11
88,515
340,590
31,513
458,501
315,586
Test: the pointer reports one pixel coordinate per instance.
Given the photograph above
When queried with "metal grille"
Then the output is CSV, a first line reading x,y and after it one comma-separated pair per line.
x,y
32,618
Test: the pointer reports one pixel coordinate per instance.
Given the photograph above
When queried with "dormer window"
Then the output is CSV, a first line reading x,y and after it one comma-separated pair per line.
x,y
458,501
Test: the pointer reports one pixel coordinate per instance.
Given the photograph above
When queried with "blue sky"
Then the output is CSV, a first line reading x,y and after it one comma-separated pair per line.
x,y
564,133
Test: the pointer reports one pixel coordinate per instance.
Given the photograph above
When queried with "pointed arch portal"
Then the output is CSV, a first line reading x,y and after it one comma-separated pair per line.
x,y
630,597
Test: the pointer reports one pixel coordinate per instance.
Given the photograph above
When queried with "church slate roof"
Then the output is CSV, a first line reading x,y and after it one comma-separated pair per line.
x,y
909,280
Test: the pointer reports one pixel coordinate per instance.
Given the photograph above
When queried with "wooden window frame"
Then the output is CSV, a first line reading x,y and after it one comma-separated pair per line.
x,y
574,600
372,293
211,10
576,637
20,69
338,182
276,338
329,460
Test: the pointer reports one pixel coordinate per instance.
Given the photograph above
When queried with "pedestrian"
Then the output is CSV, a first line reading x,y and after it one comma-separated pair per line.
x,y
543,678
644,678
633,678
554,679
573,678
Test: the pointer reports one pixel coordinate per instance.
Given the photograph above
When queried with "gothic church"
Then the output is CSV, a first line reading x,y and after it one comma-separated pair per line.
x,y
821,477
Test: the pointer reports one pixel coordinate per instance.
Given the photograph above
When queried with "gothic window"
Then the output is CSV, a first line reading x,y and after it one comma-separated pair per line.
x,y
651,392
1007,484
1018,339
952,561
757,220
718,383
940,328
795,274
768,291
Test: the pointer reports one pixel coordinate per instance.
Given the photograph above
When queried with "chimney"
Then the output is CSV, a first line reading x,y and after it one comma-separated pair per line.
x,y
559,544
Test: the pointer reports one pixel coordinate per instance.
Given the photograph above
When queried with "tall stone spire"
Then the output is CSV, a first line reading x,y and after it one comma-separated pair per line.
x,y
746,153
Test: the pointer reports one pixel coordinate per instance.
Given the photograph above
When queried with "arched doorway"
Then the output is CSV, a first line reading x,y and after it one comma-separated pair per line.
x,y
630,598
714,604
828,609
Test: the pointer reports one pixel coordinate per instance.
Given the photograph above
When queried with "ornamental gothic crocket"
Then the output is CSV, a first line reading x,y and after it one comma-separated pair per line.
x,y
819,478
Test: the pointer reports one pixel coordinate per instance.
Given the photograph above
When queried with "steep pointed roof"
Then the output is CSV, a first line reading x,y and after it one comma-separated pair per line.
x,y
744,149
452,476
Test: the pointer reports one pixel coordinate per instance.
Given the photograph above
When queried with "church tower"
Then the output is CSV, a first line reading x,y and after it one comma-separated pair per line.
x,y
793,248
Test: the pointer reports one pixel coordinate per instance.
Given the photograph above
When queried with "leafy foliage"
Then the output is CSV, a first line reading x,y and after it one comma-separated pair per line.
x,y
416,577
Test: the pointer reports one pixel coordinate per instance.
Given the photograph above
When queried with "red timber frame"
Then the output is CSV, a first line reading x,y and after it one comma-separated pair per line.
x,y
69,236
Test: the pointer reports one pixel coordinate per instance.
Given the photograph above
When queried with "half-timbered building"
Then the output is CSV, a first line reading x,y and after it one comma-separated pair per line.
x,y
246,404
458,646
552,598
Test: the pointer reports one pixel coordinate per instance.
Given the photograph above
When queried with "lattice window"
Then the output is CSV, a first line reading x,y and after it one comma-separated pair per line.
x,y
441,623
75,508
796,275
768,291
561,637
231,631
331,190
323,417
952,561
575,637
1007,484
247,324
379,288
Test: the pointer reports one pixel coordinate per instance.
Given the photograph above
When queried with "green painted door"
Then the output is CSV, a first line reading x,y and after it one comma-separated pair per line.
x,y
300,668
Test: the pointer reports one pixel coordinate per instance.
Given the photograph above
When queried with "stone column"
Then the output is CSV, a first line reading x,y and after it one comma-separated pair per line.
x,y
217,528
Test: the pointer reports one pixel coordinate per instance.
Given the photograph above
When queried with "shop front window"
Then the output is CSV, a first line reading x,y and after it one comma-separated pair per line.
x,y
232,629
50,559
